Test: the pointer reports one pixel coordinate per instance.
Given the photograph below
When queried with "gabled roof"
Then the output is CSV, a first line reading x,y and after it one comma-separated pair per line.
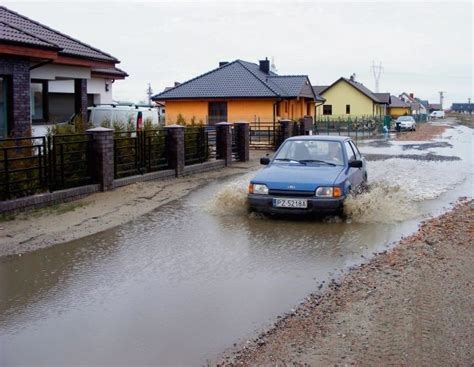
x,y
383,97
21,30
239,79
359,86
397,102
317,90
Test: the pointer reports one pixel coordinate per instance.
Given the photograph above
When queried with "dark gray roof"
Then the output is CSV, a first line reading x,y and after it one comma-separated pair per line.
x,y
319,88
11,34
239,79
33,30
435,106
462,106
397,102
383,97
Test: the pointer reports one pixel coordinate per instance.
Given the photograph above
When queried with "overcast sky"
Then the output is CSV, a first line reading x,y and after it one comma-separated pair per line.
x,y
425,47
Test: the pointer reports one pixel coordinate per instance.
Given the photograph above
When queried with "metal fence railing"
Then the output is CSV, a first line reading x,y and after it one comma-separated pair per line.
x,y
138,152
33,165
196,146
70,161
356,128
23,167
263,134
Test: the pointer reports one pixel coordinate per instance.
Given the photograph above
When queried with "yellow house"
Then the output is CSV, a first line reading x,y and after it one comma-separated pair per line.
x,y
239,91
398,107
347,98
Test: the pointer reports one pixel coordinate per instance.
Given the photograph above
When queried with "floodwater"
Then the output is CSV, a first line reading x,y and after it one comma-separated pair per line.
x,y
185,282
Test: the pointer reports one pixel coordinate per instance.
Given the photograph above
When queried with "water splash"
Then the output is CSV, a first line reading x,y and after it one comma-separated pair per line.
x,y
231,199
382,203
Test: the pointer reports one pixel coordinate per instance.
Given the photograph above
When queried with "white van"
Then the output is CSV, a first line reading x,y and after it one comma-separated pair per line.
x,y
135,114
437,114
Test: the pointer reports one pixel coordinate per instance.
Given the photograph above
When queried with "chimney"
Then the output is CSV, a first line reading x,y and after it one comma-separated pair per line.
x,y
222,63
411,95
352,77
176,84
265,65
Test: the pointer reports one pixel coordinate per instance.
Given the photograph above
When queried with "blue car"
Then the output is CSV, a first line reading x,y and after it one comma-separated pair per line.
x,y
308,175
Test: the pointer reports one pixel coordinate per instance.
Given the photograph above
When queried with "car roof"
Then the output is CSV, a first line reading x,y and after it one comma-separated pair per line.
x,y
320,138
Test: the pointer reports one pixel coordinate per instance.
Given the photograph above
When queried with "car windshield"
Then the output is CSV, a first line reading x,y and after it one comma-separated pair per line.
x,y
311,151
405,118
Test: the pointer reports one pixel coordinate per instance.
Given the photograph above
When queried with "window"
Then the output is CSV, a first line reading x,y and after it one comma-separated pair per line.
x,y
327,109
356,150
350,153
308,109
39,100
286,106
348,109
217,112
277,112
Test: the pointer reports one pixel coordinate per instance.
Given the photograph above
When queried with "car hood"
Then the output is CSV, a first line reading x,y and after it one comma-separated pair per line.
x,y
297,176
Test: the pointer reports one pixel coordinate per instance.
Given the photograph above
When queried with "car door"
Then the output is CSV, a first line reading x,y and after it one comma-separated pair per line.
x,y
361,172
353,174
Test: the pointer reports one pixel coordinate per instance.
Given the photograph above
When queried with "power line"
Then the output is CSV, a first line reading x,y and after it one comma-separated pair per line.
x,y
377,70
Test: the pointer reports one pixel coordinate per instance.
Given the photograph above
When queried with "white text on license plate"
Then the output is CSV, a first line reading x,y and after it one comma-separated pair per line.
x,y
290,203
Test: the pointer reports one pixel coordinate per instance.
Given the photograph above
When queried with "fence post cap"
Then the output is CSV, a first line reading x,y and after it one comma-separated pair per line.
x,y
99,129
174,127
224,123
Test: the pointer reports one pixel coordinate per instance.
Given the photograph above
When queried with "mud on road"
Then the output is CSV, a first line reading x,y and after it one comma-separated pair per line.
x,y
409,306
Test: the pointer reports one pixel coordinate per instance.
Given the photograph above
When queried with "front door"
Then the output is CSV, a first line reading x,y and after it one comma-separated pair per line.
x,y
217,112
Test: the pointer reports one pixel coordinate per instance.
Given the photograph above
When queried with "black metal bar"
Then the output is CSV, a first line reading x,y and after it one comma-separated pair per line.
x,y
7,175
61,153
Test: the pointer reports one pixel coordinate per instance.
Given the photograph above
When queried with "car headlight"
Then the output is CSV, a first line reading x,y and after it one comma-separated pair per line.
x,y
258,189
329,191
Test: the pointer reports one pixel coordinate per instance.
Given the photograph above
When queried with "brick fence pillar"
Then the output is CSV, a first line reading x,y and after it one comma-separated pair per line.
x,y
286,129
306,125
242,140
175,148
103,156
80,98
224,142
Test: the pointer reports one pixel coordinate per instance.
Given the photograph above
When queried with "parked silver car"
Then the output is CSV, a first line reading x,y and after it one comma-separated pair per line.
x,y
406,123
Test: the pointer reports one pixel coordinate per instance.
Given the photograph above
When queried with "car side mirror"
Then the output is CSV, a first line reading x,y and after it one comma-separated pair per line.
x,y
355,163
265,161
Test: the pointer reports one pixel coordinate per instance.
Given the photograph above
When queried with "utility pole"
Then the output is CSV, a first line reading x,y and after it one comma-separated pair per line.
x,y
149,93
469,105
441,98
377,70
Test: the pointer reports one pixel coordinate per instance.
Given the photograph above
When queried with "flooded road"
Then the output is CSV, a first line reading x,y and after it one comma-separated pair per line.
x,y
182,284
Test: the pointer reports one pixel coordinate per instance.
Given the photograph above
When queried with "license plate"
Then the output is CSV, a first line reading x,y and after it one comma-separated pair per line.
x,y
290,203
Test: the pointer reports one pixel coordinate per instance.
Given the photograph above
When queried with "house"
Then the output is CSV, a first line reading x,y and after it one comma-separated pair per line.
x,y
462,107
347,98
398,107
239,91
46,76
416,107
434,107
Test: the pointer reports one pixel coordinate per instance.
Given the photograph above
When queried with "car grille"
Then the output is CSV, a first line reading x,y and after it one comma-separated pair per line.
x,y
291,193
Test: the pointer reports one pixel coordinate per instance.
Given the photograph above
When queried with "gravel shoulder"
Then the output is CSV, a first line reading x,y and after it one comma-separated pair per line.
x,y
409,306
101,211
